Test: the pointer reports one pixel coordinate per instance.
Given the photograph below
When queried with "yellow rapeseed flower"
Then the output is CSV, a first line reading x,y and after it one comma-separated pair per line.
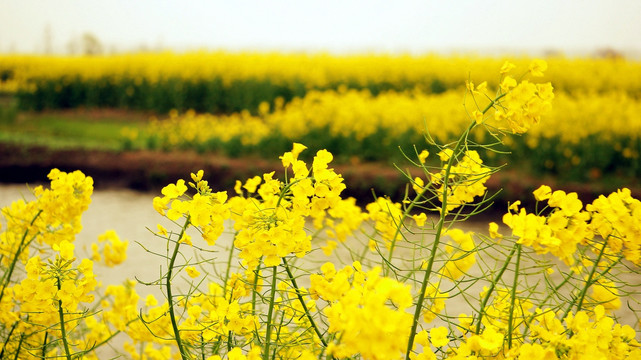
x,y
192,272
438,336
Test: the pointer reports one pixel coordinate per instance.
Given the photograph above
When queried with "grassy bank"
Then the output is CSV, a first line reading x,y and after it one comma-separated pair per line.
x,y
72,129
92,140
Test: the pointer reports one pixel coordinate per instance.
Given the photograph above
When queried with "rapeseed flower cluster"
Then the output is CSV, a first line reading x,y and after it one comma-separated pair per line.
x,y
525,102
114,249
611,220
364,311
559,233
206,210
617,218
386,216
270,219
242,278
465,179
52,218
584,239
436,302
581,337
461,254
47,292
502,314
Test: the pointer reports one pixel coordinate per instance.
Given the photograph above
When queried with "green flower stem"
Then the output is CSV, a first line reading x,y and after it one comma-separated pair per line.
x,y
44,346
229,259
270,313
449,165
588,282
439,228
402,219
281,326
19,347
230,333
493,285
255,287
286,189
517,266
492,103
21,247
63,331
556,290
202,347
437,240
217,344
542,303
302,303
6,341
421,295
95,345
170,299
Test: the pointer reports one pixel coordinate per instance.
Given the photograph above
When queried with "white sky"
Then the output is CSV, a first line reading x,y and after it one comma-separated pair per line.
x,y
338,26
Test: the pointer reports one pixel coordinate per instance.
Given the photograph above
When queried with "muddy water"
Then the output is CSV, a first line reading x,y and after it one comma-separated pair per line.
x,y
131,213
125,211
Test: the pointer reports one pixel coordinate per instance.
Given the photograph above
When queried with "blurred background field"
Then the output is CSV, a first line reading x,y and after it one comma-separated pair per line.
x,y
361,108
367,99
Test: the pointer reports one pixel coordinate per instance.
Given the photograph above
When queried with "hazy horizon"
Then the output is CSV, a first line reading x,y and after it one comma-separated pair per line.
x,y
341,27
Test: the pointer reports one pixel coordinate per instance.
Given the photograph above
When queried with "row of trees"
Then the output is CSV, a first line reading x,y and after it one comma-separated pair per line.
x,y
85,44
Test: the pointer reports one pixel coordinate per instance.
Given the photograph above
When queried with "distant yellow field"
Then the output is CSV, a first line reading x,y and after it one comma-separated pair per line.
x,y
365,105
318,70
